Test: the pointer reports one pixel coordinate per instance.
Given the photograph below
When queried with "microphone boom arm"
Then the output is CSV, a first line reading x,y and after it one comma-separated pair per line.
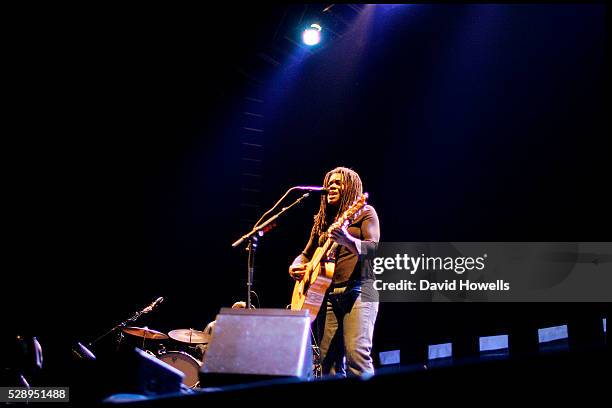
x,y
132,318
269,221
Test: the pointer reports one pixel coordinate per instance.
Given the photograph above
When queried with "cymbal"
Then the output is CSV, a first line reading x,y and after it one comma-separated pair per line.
x,y
189,336
145,332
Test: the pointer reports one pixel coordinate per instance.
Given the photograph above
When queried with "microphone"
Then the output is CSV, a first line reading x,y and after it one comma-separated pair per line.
x,y
318,189
153,305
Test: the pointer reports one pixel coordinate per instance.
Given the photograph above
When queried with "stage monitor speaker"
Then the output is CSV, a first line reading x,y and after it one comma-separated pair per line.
x,y
144,374
253,345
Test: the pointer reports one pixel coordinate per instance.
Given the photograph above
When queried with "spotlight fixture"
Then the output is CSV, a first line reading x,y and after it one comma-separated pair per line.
x,y
312,35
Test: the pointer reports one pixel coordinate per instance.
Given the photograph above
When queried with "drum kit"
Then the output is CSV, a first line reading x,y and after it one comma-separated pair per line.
x,y
186,354
183,349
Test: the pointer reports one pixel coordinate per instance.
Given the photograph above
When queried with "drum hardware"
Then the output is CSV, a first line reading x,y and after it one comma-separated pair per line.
x,y
317,368
199,351
194,341
145,333
190,341
185,363
189,336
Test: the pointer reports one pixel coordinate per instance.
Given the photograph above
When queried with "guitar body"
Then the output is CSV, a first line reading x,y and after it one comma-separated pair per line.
x,y
308,293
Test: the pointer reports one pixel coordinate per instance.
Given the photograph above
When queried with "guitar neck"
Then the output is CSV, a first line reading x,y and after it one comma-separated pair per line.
x,y
328,247
322,253
332,248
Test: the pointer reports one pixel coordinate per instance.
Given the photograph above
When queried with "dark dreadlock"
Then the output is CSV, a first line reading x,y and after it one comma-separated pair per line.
x,y
352,189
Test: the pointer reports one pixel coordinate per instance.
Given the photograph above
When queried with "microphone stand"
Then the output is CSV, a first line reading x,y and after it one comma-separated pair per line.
x,y
124,323
252,240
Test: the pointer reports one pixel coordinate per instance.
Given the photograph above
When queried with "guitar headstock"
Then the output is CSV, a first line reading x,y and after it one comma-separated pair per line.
x,y
355,209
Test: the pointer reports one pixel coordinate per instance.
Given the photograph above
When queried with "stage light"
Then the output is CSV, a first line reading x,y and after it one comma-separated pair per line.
x,y
493,343
436,351
312,35
548,334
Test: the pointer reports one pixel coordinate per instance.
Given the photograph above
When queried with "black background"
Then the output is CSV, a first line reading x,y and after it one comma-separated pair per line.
x,y
124,157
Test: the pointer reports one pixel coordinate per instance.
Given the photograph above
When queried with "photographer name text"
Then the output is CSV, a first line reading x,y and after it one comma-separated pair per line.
x,y
453,285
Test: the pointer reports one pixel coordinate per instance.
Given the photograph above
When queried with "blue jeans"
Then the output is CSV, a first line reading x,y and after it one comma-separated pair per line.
x,y
348,332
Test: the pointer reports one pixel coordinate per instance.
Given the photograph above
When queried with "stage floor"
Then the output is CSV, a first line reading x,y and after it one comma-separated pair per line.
x,y
550,375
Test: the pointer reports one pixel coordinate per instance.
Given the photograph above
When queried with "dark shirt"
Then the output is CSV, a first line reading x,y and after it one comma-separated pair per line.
x,y
348,265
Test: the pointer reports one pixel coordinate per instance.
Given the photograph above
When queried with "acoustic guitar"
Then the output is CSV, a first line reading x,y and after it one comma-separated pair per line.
x,y
309,292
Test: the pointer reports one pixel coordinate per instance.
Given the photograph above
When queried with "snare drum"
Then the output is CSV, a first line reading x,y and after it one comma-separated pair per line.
x,y
184,363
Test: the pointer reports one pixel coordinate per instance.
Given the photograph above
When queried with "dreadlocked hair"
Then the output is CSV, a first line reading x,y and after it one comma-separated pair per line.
x,y
352,189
